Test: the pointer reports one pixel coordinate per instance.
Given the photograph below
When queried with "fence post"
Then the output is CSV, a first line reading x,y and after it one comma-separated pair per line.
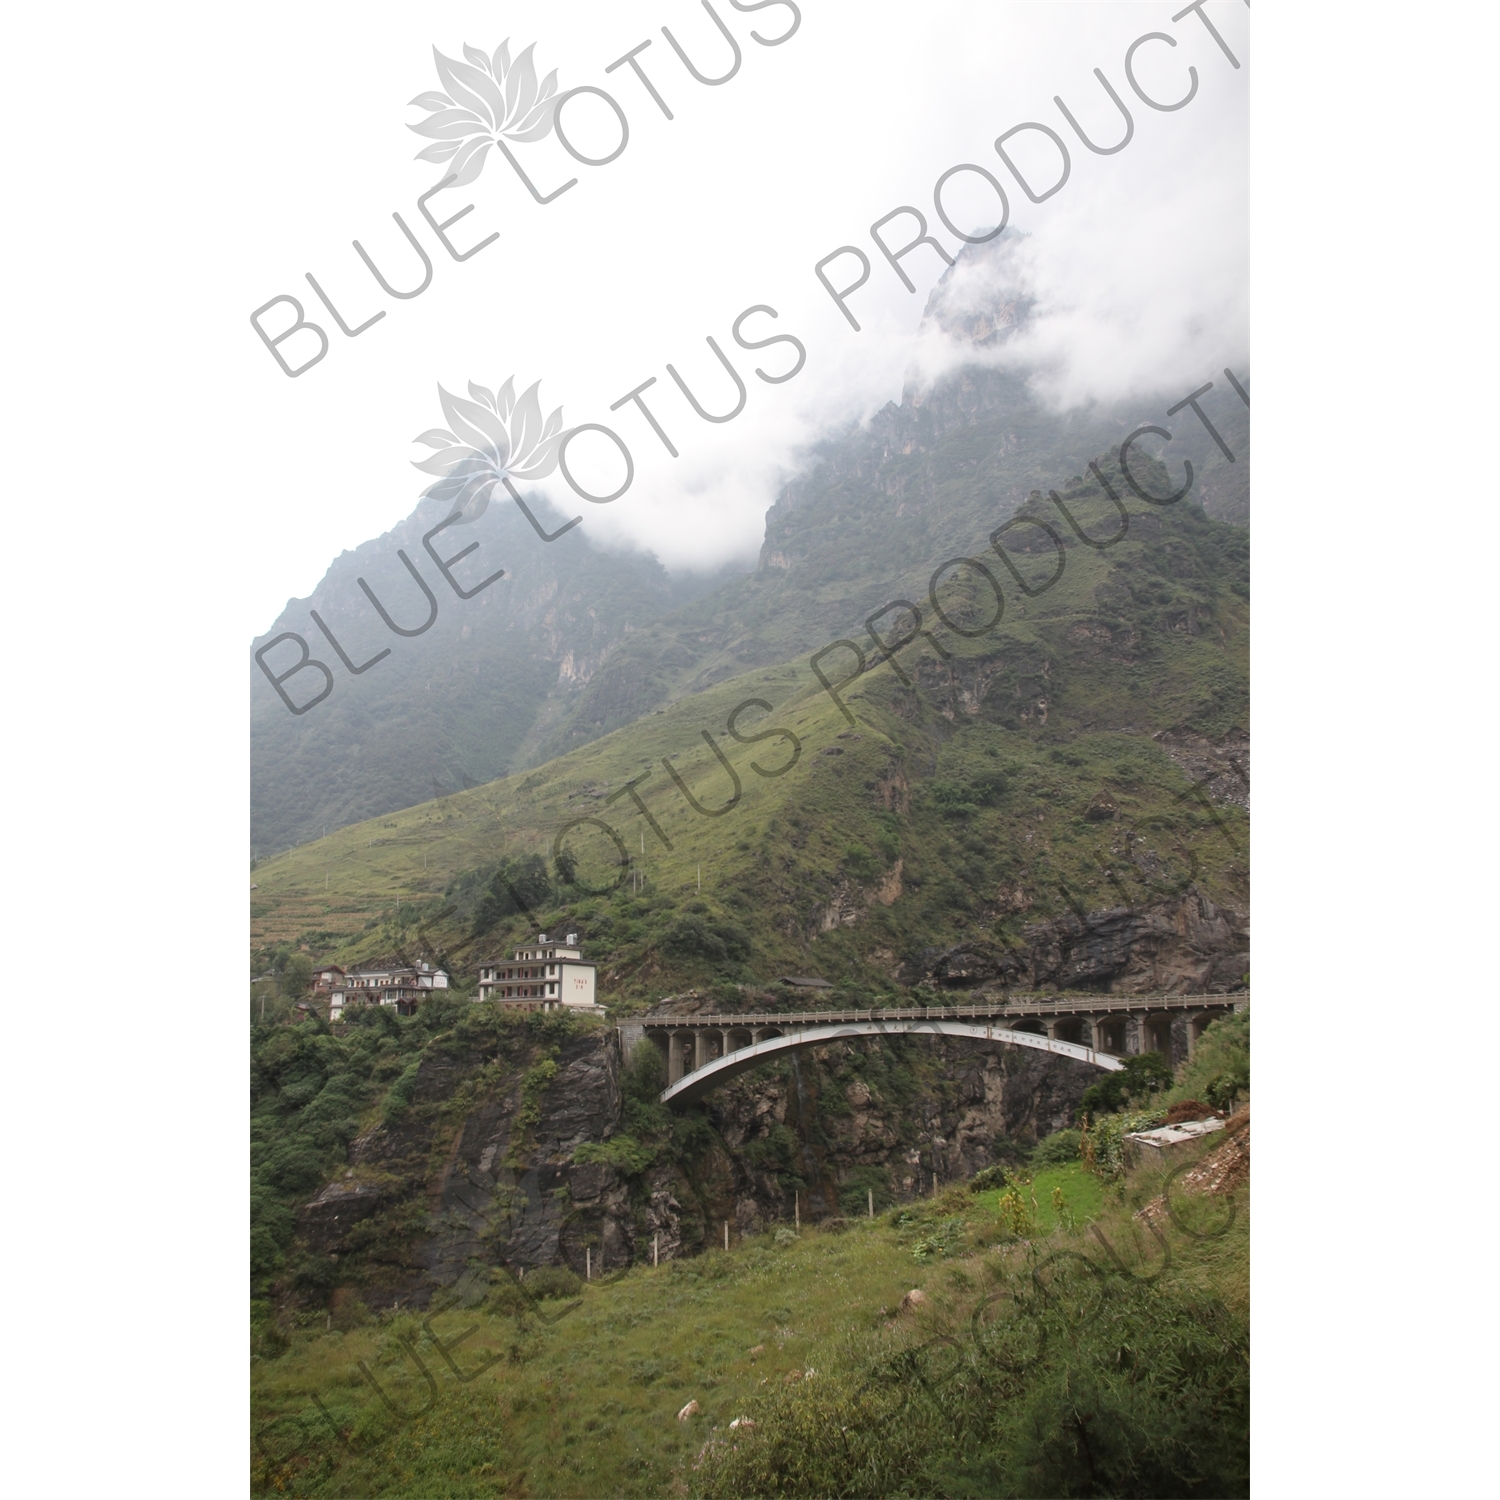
x,y
656,1250
871,1192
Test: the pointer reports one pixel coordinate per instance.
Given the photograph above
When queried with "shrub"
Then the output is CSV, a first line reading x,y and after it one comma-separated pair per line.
x,y
1147,1073
715,938
854,1197
1058,1149
623,1152
516,885
1225,1088
506,1297
398,1101
1104,1145
551,1281
645,1075
1220,1069
1017,1212
944,1239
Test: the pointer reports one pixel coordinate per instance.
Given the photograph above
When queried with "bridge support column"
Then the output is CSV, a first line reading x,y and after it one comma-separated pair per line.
x,y
700,1049
1156,1035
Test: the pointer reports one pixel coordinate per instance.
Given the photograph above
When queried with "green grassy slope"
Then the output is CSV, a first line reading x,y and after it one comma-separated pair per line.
x,y
1089,1329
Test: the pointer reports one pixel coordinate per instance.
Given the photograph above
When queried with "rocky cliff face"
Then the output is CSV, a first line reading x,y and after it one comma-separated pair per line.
x,y
883,1116
480,1172
1181,945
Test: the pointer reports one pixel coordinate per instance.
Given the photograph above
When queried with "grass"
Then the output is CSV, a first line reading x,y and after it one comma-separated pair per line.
x,y
1083,1195
580,1397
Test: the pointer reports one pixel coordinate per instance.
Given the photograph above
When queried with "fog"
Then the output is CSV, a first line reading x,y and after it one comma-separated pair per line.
x,y
1138,265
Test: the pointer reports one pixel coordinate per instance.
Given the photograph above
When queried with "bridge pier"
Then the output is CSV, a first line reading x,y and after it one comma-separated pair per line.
x,y
1111,1035
1157,1035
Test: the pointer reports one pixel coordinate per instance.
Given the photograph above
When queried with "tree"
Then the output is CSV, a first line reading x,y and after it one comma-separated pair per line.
x,y
296,976
1146,1073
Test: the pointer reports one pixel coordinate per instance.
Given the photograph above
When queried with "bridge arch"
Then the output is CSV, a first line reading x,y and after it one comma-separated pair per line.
x,y
690,1089
1156,1033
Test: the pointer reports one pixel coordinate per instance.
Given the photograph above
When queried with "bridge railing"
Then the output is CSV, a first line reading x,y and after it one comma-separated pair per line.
x,y
1014,1009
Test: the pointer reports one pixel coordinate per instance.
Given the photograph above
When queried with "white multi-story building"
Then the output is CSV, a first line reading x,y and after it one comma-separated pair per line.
x,y
403,986
547,976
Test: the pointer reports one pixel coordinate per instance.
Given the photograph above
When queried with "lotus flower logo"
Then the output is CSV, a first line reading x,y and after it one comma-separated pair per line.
x,y
494,438
487,98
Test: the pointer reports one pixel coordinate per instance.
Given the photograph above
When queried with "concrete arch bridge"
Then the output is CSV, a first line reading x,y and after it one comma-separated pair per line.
x,y
703,1051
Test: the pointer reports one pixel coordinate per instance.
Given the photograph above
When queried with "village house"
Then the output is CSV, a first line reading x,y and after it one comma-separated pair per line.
x,y
326,980
403,986
546,976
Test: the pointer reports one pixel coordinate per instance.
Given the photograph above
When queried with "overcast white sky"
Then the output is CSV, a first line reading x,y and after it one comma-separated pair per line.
x,y
1140,261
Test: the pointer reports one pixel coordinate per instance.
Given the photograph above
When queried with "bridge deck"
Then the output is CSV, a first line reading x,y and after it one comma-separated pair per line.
x,y
1015,1008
